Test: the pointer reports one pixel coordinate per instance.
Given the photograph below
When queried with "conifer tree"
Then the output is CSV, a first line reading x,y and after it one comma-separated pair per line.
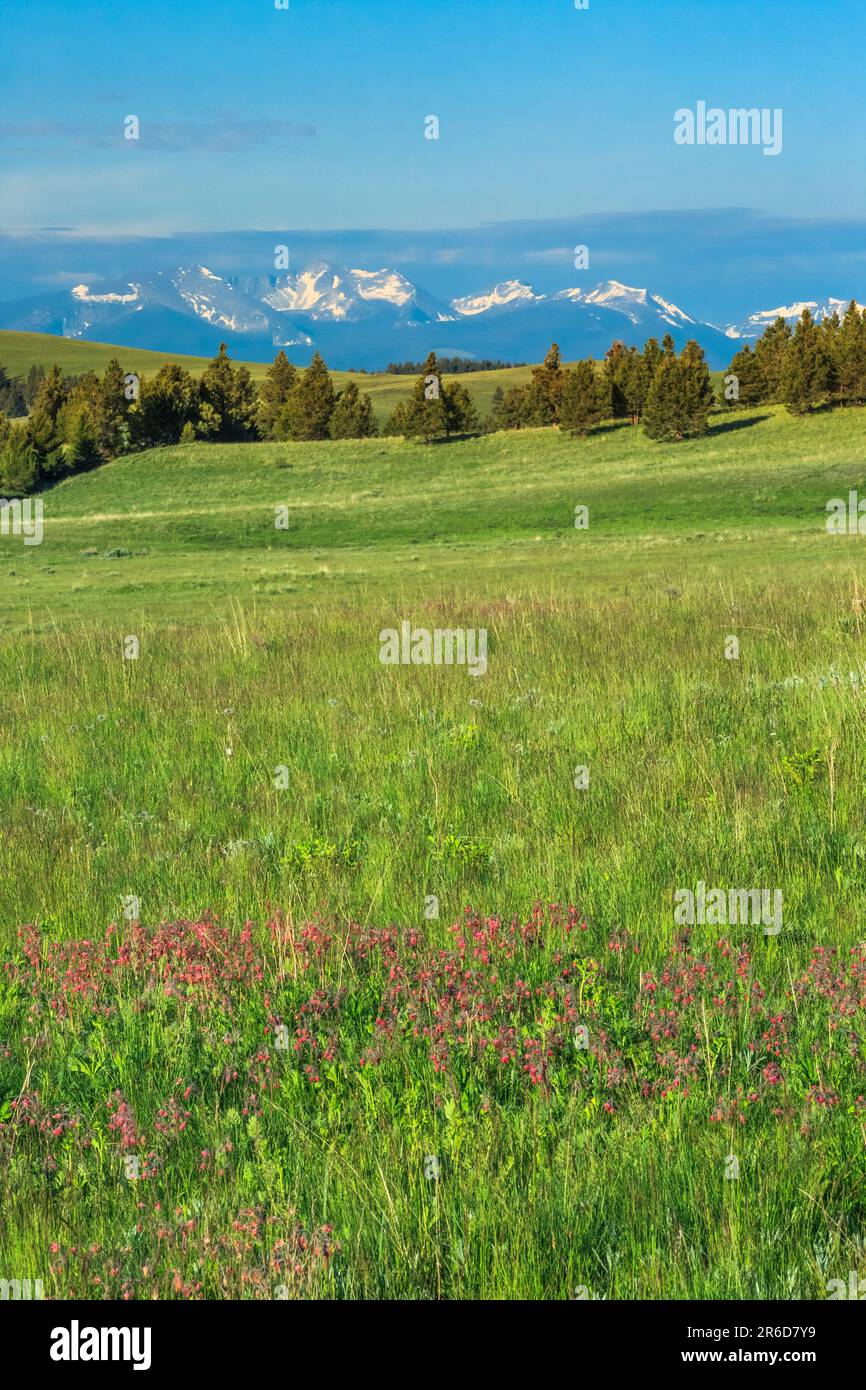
x,y
770,350
680,398
544,393
280,380
424,416
310,404
19,465
352,416
509,409
750,388
851,356
615,370
82,450
699,394
44,431
461,415
230,395
806,376
583,398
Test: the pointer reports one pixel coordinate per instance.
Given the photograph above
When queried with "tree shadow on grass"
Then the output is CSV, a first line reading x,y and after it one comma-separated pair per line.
x,y
736,424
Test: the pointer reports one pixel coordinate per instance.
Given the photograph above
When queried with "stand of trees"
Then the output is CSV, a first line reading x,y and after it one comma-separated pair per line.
x,y
816,364
454,366
672,396
76,423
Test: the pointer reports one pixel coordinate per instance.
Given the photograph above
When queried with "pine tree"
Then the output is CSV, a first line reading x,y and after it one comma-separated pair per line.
x,y
652,356
494,420
280,380
544,392
44,431
615,369
669,348
82,450
635,380
230,394
750,388
165,405
19,465
113,409
424,416
461,415
509,409
771,350
681,396
851,356
352,417
310,404
12,401
583,398
698,388
806,377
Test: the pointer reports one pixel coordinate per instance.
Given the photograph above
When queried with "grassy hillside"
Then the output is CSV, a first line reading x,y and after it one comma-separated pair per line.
x,y
20,351
363,1092
182,532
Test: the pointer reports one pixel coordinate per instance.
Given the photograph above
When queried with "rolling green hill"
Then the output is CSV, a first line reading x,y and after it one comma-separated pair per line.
x,y
19,351
182,531
267,812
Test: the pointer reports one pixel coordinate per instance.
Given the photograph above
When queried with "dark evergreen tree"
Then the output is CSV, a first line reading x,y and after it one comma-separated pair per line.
x,y
680,397
230,395
461,415
544,393
770,350
309,406
279,382
851,356
424,414
44,431
583,398
34,380
352,416
749,388
115,402
19,465
699,393
806,377
635,380
82,451
615,370
12,401
166,404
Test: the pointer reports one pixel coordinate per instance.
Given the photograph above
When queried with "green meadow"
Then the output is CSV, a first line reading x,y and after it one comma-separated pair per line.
x,y
332,1081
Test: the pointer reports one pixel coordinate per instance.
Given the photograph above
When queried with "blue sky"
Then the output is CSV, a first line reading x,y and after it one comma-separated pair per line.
x,y
253,117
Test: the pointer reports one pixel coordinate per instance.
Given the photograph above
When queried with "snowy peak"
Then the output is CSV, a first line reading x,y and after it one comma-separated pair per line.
x,y
508,292
84,295
754,325
615,295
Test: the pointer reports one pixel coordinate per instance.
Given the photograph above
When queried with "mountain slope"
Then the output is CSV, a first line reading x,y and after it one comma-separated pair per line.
x,y
354,316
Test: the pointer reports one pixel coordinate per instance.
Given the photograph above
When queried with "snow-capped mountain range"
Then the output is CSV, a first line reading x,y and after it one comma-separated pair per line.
x,y
754,325
366,318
